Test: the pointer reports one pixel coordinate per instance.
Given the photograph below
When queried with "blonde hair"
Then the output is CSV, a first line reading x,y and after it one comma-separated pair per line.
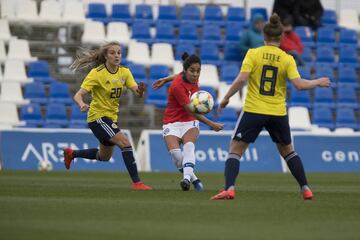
x,y
90,58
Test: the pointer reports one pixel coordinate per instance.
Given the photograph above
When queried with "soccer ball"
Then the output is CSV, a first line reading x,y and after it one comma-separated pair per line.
x,y
45,165
201,102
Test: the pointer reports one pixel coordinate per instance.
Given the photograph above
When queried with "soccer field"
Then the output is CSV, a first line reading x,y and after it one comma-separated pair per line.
x,y
70,205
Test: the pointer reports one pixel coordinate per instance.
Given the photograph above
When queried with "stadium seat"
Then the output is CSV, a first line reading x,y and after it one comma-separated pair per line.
x,y
74,12
228,117
97,12
19,50
157,97
325,54
348,37
213,15
345,118
232,53
167,14
39,71
259,10
78,119
212,35
209,76
158,71
94,32
323,117
51,12
329,18
188,34
326,36
141,32
165,33
59,93
183,47
162,53
5,34
9,114
236,14
15,72
139,72
26,12
190,14
347,77
307,56
306,36
323,97
346,97
118,31
139,52
56,115
233,32
35,92
300,98
178,67
305,72
143,12
121,13
326,71
299,118
229,72
235,101
31,114
347,56
349,18
11,92
210,54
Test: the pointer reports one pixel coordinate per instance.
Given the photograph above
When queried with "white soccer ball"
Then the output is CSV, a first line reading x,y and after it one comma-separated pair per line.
x,y
201,102
45,165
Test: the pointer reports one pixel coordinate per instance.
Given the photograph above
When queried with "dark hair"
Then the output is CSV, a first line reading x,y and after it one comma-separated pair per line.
x,y
273,29
189,60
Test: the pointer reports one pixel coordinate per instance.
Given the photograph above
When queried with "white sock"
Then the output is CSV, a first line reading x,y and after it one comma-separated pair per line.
x,y
189,160
177,157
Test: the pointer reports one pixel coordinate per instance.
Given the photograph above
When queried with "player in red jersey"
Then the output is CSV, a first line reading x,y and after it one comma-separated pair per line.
x,y
180,125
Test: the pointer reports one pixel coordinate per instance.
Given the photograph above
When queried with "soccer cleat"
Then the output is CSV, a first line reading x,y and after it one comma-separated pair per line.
x,y
185,184
198,185
68,157
139,186
307,194
224,195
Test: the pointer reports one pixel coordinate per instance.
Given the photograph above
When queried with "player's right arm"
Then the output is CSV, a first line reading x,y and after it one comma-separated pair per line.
x,y
79,99
213,125
160,82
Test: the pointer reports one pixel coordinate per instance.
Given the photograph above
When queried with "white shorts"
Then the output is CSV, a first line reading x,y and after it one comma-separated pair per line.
x,y
178,129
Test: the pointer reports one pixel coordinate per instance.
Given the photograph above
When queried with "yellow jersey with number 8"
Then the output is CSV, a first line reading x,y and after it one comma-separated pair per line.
x,y
269,66
106,89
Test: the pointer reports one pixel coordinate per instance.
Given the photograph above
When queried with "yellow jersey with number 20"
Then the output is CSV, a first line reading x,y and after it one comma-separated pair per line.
x,y
269,66
106,89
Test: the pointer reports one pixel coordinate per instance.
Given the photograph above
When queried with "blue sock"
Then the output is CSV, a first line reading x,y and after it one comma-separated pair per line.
x,y
296,168
130,163
90,153
232,166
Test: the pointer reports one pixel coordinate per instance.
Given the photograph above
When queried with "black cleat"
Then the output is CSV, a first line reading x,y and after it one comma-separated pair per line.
x,y
185,184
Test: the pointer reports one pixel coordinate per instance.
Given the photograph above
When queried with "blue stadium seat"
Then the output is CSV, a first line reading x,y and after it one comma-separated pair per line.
x,y
236,14
345,118
346,97
347,77
323,97
139,72
326,36
259,10
56,115
325,54
165,33
121,13
210,54
348,37
232,53
233,32
31,113
167,13
228,116
52,125
325,71
213,15
188,34
348,56
144,13
35,92
184,47
307,56
212,34
78,119
190,14
97,12
141,32
306,36
158,71
305,72
329,18
157,97
39,70
323,117
59,93
229,72
300,98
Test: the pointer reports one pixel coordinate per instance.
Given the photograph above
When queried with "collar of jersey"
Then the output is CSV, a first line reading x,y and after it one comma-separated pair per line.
x,y
110,71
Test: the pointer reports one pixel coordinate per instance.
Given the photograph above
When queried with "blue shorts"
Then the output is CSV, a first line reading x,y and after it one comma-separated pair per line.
x,y
104,128
249,126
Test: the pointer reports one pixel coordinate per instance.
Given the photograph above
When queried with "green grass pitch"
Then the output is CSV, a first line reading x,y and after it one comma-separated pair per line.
x,y
82,205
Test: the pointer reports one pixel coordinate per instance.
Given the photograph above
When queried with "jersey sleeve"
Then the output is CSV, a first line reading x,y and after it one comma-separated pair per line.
x,y
180,94
130,82
292,71
247,65
90,80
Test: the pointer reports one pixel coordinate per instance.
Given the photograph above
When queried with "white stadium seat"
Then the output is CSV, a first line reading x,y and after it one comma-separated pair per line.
x,y
19,50
74,12
94,33
118,31
344,130
11,92
9,115
5,34
235,100
50,12
349,18
26,11
139,52
7,9
162,53
177,67
299,118
15,72
209,76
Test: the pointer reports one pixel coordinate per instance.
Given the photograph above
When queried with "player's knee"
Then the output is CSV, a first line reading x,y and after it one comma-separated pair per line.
x,y
176,156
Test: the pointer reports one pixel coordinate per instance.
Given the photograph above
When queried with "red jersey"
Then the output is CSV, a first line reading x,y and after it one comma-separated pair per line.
x,y
291,42
179,95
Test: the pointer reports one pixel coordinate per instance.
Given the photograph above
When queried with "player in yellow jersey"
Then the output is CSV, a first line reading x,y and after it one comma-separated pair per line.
x,y
106,81
266,69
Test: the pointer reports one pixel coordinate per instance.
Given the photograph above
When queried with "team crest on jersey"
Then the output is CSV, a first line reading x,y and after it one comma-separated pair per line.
x,y
114,125
166,131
